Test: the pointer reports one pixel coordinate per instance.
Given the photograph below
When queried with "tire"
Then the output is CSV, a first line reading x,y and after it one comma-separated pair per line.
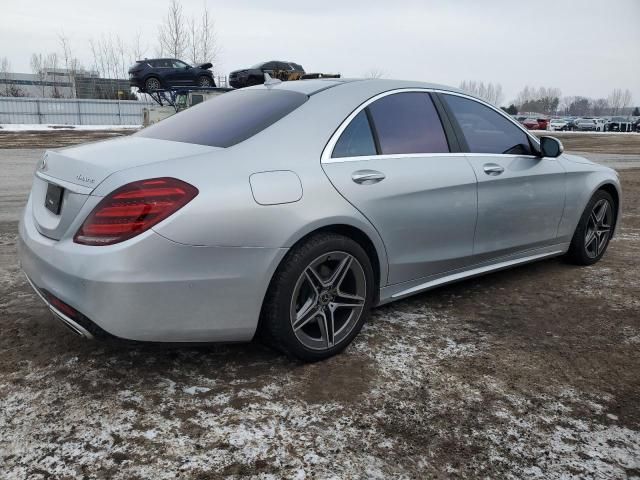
x,y
151,84
204,81
297,294
589,244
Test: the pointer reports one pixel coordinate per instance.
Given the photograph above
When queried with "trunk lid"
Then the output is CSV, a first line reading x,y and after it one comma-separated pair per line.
x,y
78,170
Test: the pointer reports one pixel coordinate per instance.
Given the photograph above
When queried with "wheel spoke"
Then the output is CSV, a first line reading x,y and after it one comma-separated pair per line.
x,y
600,216
339,273
306,315
314,279
326,324
591,236
602,242
347,300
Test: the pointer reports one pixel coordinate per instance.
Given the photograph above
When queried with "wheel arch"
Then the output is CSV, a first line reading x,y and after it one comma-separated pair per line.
x,y
612,190
373,247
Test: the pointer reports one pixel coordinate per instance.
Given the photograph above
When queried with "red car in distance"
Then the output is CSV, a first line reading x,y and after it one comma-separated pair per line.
x,y
536,123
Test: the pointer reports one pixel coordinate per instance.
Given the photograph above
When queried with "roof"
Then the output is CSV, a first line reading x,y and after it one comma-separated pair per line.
x,y
311,87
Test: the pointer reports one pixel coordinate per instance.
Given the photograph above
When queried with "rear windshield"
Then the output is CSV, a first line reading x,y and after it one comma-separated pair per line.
x,y
227,119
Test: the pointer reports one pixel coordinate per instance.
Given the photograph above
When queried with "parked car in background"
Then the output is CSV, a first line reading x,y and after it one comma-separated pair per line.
x,y
240,215
157,73
535,123
255,75
618,124
585,125
600,124
559,124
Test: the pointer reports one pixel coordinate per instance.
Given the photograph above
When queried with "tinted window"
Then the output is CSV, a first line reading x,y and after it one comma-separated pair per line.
x,y
408,123
485,130
356,140
226,119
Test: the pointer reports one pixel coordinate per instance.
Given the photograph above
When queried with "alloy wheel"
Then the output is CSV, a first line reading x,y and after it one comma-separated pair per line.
x,y
598,229
328,300
153,84
204,82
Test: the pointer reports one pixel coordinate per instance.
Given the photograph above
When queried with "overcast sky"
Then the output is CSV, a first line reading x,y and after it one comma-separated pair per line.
x,y
583,47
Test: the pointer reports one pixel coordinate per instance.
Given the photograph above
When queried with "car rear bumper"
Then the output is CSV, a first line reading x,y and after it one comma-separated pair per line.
x,y
150,288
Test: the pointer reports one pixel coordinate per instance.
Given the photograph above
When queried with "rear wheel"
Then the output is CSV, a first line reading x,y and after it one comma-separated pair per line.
x,y
319,298
594,230
152,84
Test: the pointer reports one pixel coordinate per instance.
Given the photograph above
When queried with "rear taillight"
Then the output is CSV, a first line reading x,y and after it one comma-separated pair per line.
x,y
132,209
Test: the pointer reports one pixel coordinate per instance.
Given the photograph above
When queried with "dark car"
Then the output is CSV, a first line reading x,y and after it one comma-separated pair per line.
x,y
156,73
618,124
255,75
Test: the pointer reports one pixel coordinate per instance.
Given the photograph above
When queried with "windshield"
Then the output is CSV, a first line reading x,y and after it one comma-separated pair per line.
x,y
227,119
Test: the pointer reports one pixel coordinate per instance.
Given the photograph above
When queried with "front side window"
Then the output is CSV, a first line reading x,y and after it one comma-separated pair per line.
x,y
356,140
408,123
179,64
226,119
485,130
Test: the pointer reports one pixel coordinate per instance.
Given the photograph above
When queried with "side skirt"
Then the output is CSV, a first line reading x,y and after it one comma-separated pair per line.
x,y
402,290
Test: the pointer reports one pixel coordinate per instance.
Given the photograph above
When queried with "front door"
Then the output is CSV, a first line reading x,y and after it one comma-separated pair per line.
x,y
520,194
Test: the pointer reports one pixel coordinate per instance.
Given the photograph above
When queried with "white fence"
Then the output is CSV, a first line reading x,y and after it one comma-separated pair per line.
x,y
71,111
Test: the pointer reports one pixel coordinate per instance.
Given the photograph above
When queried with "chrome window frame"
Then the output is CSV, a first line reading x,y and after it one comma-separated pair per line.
x,y
328,149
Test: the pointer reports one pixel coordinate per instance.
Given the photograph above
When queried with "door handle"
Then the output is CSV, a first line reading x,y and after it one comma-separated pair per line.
x,y
493,169
367,177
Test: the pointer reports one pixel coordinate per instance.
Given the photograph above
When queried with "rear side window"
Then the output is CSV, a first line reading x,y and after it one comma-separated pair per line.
x,y
485,130
356,140
408,123
226,119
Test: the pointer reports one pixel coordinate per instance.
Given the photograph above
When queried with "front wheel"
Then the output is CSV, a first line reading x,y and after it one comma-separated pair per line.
x,y
319,298
204,82
594,230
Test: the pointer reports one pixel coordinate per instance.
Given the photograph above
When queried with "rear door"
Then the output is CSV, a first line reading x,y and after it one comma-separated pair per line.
x,y
391,159
520,195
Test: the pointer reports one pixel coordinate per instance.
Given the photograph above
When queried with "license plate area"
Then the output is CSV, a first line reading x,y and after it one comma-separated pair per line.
x,y
53,199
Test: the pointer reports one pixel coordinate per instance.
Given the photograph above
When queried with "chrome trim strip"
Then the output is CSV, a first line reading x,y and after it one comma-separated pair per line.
x,y
72,187
473,272
328,149
422,155
78,329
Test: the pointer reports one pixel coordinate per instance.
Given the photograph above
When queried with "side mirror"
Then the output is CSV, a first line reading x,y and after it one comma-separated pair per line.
x,y
187,67
551,147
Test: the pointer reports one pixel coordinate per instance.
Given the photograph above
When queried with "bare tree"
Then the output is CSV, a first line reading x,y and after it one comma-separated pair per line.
x,y
626,101
37,67
71,64
5,66
489,92
375,72
138,49
615,100
209,46
51,70
173,34
600,107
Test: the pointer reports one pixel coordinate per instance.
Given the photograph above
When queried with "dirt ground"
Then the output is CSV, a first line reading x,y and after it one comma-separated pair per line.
x,y
625,143
528,373
56,137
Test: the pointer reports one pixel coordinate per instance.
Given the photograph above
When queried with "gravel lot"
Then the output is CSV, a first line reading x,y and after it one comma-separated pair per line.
x,y
527,373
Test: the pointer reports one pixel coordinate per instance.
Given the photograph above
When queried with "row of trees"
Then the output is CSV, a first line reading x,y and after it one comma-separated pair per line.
x,y
549,100
179,36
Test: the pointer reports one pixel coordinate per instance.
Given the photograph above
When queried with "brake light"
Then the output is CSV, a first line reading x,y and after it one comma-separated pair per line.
x,y
133,209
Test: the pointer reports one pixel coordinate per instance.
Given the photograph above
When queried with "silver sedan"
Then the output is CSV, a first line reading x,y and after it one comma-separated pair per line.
x,y
291,209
